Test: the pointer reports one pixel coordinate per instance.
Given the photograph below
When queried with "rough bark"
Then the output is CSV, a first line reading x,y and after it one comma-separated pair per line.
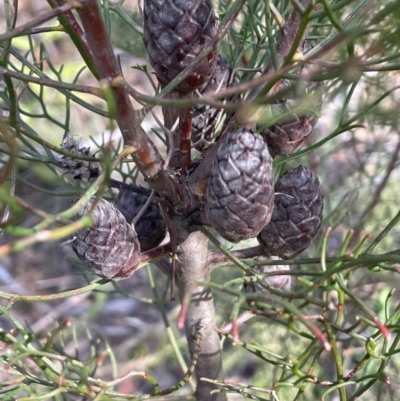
x,y
192,267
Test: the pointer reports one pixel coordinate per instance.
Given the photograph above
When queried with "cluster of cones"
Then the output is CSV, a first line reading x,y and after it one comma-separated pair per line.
x,y
241,200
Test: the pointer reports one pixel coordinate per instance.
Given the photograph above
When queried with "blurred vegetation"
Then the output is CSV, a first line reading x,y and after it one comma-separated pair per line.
x,y
65,335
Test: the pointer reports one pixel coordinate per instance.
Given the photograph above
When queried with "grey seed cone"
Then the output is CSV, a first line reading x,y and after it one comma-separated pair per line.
x,y
110,248
297,214
303,103
81,169
151,227
175,32
239,197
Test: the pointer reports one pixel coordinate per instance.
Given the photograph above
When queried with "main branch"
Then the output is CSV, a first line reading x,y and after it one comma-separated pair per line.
x,y
147,157
197,302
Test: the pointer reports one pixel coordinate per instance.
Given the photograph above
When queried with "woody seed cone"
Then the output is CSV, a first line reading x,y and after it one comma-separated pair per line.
x,y
175,32
151,227
110,248
239,197
297,214
303,103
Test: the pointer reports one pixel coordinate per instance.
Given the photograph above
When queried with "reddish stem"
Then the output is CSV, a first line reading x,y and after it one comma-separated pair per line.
x,y
185,129
74,30
155,253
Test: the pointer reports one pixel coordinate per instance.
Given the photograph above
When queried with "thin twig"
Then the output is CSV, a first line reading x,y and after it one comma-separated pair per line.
x,y
143,209
52,83
12,191
47,29
71,5
246,253
170,137
78,37
382,185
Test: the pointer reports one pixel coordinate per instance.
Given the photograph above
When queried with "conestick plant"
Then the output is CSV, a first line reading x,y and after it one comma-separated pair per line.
x,y
181,38
229,187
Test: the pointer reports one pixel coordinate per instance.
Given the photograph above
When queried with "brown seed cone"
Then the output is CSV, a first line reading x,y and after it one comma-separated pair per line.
x,y
239,197
281,282
297,214
151,227
288,134
175,32
110,248
205,118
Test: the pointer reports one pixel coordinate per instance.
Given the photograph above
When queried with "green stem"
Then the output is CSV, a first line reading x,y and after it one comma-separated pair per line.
x,y
73,29
338,362
52,297
38,21
383,233
170,333
270,36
